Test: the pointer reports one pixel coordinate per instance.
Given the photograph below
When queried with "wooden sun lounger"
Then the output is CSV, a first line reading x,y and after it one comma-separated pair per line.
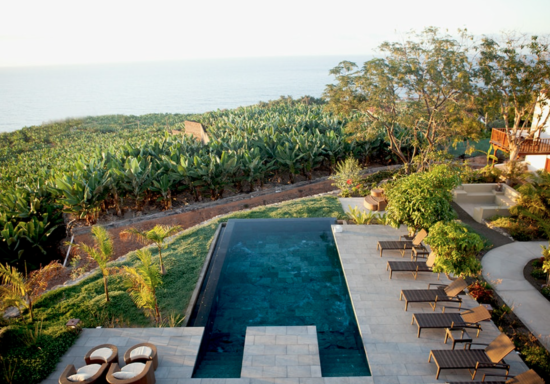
x,y
412,266
443,293
490,357
403,245
527,377
468,319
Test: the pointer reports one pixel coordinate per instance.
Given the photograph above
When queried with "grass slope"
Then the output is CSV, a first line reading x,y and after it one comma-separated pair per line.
x,y
30,356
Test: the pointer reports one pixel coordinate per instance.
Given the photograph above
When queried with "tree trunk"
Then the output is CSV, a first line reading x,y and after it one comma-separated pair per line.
x,y
169,200
162,269
30,309
106,289
117,205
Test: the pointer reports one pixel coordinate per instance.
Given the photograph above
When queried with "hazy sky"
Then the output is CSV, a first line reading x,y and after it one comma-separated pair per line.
x,y
45,32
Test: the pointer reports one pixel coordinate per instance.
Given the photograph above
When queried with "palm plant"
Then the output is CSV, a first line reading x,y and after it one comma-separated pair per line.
x,y
101,253
142,282
20,290
157,235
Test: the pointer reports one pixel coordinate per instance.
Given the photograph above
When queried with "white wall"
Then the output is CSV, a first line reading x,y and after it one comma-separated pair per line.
x,y
536,162
541,112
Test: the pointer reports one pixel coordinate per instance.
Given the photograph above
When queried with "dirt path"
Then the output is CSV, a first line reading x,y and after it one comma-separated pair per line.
x,y
201,212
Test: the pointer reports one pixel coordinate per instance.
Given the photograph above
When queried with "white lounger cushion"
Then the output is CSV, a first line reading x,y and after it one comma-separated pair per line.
x,y
85,372
141,351
102,353
129,371
79,377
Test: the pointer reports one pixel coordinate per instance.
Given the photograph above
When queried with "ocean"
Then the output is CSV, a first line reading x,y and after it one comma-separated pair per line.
x,y
35,95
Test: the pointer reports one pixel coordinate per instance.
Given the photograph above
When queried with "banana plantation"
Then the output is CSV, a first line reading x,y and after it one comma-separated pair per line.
x,y
89,166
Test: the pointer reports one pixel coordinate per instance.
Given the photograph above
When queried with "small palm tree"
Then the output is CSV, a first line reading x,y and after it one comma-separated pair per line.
x,y
22,291
101,252
142,282
157,235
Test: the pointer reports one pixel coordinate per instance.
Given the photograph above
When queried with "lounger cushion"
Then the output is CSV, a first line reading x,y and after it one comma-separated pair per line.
x,y
129,371
79,377
141,353
102,353
85,372
124,375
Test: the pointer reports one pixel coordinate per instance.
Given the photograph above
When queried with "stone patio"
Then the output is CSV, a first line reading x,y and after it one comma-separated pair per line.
x,y
395,354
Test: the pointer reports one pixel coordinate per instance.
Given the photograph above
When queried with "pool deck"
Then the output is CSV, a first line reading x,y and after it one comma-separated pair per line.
x,y
394,352
288,355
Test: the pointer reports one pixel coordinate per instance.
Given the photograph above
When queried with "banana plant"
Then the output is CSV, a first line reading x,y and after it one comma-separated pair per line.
x,y
136,179
214,173
333,148
10,237
162,185
37,231
288,157
81,193
254,168
311,149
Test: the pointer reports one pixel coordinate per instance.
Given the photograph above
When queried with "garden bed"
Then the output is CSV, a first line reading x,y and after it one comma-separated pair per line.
x,y
537,283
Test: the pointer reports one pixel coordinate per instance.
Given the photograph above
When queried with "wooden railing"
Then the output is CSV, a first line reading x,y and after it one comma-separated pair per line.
x,y
528,147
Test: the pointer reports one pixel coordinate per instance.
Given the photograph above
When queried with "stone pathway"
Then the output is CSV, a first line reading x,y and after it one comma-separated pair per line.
x,y
503,267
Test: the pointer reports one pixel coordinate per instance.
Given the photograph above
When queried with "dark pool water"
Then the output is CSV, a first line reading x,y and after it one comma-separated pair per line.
x,y
283,272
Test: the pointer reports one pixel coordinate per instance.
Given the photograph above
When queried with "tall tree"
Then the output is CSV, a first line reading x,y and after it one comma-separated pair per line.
x,y
22,290
419,93
101,253
157,235
515,72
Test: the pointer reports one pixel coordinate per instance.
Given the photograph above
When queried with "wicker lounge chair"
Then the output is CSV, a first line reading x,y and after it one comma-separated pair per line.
x,y
443,293
142,353
470,318
104,353
412,266
97,377
146,376
403,245
490,357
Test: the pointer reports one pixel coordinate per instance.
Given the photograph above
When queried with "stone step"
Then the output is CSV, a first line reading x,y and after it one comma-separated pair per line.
x,y
475,198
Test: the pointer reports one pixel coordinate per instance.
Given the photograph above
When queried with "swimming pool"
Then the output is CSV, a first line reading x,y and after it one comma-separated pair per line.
x,y
276,272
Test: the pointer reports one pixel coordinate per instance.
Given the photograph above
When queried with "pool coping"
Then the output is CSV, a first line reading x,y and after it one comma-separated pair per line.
x,y
202,275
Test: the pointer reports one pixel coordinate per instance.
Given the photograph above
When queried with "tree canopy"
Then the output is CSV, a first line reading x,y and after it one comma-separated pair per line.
x,y
422,199
514,74
420,93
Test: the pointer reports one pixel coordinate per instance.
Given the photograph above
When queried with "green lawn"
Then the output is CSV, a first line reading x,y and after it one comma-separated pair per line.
x,y
32,355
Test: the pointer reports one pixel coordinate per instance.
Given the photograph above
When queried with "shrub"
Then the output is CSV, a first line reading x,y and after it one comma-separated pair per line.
x,y
486,174
364,217
520,229
456,248
347,176
481,291
361,217
538,273
536,357
533,204
546,261
422,199
498,314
